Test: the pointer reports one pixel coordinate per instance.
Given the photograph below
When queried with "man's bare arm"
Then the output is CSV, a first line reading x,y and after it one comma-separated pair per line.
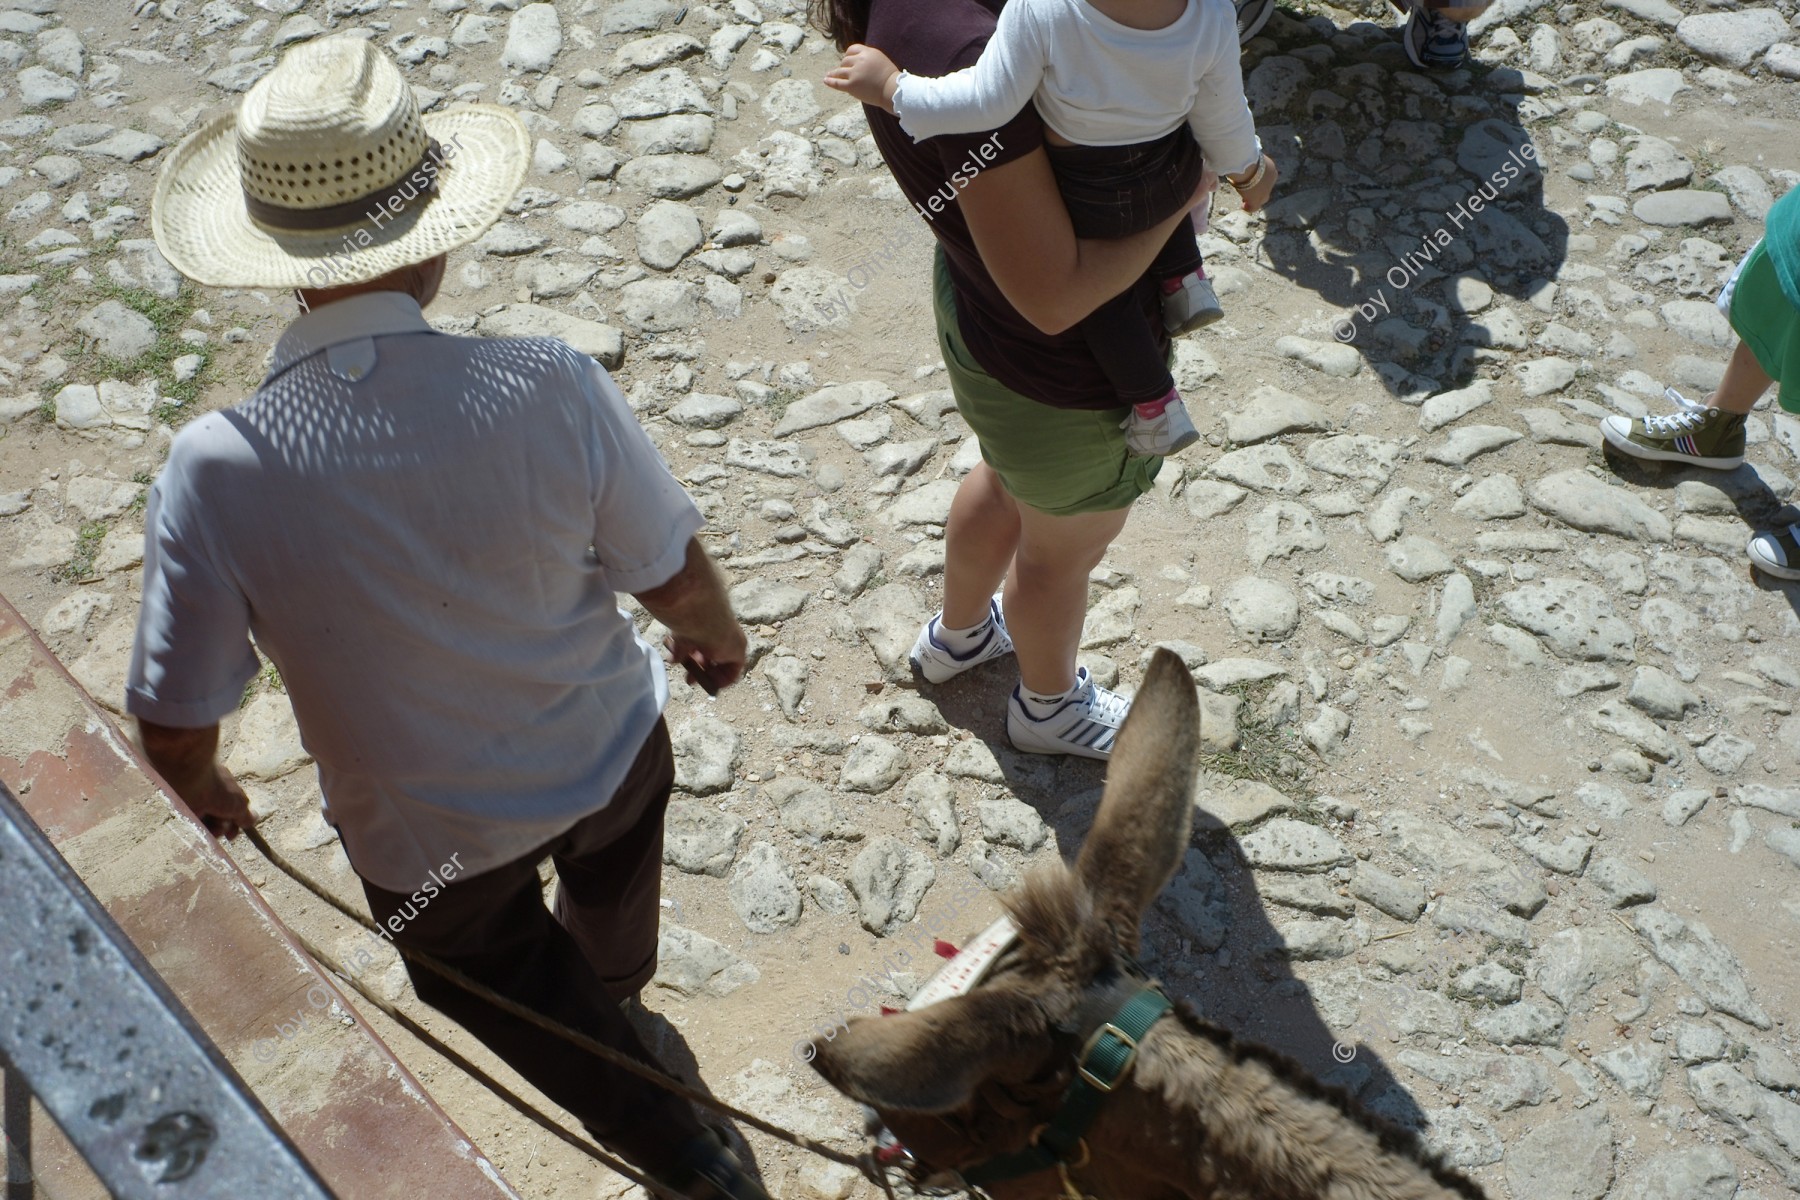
x,y
704,633
1055,279
187,760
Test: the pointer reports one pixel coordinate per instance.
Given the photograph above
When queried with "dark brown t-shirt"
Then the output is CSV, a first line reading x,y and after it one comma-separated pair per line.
x,y
936,37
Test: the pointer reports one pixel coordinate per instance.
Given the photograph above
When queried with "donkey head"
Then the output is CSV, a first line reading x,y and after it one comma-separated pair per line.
x,y
971,1077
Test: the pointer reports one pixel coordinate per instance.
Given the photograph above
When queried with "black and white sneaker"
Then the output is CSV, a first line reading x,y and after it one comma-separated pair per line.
x,y
1252,15
1777,552
1433,41
1086,724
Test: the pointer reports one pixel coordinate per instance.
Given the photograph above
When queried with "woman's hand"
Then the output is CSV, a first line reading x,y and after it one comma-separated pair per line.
x,y
1257,195
868,75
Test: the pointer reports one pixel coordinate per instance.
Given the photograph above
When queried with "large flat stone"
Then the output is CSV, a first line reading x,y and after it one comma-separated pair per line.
x,y
604,343
1581,501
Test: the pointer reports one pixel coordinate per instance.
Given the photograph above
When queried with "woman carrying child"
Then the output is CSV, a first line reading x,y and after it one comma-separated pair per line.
x,y
1131,92
1011,280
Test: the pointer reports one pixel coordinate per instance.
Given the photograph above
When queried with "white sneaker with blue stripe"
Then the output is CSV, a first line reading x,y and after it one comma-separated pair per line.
x,y
1086,723
933,658
1433,41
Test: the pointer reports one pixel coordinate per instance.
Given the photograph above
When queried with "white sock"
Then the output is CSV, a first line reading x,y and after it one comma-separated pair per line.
x,y
959,641
1040,706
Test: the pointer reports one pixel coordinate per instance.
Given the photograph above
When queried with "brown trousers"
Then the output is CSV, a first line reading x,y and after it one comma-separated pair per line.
x,y
599,948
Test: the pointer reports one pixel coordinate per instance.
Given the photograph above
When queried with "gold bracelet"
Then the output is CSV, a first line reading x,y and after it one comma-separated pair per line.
x,y
1262,168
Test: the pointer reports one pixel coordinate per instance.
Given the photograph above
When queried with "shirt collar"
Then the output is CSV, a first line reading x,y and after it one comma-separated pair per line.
x,y
369,315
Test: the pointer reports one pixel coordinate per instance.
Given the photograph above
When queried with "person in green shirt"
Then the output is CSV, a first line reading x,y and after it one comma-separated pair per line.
x,y
1762,302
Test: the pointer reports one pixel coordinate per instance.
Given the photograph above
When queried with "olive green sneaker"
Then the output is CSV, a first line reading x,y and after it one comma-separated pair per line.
x,y
1700,437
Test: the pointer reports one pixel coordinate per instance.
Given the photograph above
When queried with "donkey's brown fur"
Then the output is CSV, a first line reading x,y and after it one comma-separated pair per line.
x,y
1201,1115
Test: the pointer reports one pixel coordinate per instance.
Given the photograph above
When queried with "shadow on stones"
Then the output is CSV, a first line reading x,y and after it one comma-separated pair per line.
x,y
1375,157
1759,505
1209,937
677,1058
1249,987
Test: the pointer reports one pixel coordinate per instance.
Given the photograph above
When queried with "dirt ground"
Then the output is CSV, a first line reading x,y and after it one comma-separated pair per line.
x,y
1416,695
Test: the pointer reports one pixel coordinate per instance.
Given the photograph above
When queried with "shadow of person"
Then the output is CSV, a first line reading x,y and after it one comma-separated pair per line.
x,y
1209,937
677,1058
1407,199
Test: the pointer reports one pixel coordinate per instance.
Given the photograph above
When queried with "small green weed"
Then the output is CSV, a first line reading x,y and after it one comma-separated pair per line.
x,y
49,278
1267,753
81,564
143,480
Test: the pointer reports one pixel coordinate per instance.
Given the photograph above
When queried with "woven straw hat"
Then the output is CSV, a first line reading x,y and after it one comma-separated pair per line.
x,y
327,175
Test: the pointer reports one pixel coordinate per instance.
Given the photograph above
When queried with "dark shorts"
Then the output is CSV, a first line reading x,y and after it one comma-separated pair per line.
x,y
1116,191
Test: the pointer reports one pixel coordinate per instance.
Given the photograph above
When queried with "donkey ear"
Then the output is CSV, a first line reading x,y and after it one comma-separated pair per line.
x,y
1147,813
930,1061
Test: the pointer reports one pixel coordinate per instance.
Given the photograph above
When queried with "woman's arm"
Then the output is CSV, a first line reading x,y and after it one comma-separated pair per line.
x,y
977,98
1022,231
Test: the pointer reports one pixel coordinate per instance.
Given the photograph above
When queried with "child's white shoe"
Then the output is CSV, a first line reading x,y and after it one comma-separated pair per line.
x,y
1191,305
1160,428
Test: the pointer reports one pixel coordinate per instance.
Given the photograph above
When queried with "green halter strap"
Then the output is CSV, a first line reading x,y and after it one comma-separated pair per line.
x,y
1104,1062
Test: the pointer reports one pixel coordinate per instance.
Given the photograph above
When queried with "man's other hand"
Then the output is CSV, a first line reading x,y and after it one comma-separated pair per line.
x,y
185,759
222,806
710,668
704,636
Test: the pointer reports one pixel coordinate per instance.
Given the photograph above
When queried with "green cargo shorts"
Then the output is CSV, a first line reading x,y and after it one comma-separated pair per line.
x,y
1060,461
1761,314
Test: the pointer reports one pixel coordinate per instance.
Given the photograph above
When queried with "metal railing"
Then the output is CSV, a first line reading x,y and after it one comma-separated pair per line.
x,y
120,1065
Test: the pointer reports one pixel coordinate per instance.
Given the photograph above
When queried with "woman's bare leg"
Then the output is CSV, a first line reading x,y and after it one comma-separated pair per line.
x,y
1046,593
980,539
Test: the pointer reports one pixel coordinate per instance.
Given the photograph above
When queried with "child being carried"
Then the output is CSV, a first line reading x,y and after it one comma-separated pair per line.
x,y
1132,92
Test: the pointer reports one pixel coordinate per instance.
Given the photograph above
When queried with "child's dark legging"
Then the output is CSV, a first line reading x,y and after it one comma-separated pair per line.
x,y
1114,192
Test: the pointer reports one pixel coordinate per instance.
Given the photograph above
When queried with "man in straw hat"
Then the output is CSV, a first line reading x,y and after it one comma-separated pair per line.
x,y
426,535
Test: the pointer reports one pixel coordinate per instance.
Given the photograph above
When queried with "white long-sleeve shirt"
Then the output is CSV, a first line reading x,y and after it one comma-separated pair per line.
x,y
1097,82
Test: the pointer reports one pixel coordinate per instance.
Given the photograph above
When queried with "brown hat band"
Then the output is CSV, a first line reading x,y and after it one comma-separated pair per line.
x,y
414,189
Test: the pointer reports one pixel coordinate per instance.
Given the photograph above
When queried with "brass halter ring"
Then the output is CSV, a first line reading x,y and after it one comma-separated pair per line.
x,y
1082,1142
1063,1168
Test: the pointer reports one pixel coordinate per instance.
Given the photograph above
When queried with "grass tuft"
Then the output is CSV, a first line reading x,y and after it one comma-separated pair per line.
x,y
169,314
81,564
1267,753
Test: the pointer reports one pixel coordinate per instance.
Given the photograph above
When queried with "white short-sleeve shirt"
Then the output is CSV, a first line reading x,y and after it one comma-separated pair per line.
x,y
426,534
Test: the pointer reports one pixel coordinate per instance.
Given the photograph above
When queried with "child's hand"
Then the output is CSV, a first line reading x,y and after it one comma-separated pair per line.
x,y
868,75
1255,197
